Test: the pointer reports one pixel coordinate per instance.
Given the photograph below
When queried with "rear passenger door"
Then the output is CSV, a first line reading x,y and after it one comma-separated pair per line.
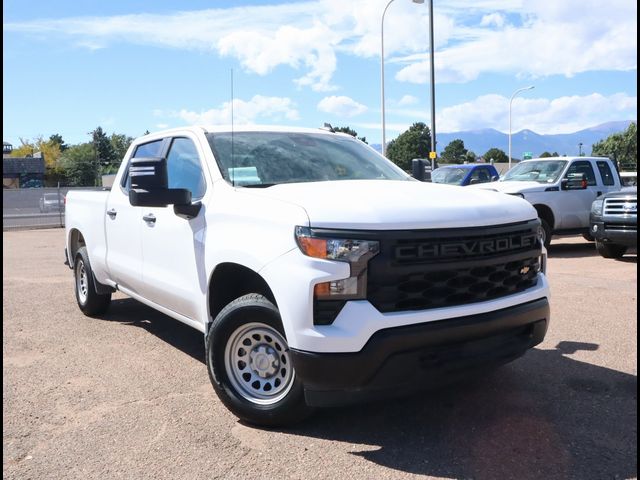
x,y
173,247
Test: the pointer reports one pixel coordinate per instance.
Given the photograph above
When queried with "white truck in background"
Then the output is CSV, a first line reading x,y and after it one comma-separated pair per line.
x,y
319,273
561,189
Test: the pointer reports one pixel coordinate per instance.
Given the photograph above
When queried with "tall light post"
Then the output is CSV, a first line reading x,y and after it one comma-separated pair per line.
x,y
580,149
530,87
384,134
433,88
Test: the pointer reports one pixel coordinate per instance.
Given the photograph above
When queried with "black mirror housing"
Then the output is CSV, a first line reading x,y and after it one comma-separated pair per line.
x,y
148,173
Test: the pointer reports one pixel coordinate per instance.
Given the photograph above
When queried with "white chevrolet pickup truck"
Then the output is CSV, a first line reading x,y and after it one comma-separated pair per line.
x,y
561,189
319,273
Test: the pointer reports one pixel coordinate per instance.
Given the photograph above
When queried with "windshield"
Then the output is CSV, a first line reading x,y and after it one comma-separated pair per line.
x,y
262,159
536,171
452,176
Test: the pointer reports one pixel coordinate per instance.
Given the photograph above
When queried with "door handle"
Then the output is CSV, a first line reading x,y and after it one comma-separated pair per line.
x,y
150,218
112,213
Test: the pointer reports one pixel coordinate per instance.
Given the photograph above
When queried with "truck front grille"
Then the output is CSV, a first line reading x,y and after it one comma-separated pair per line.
x,y
418,270
621,206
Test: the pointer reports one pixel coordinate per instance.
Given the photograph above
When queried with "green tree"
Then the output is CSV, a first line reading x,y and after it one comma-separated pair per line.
x,y
120,144
621,147
471,157
455,152
547,154
79,165
57,139
351,132
102,145
497,155
413,143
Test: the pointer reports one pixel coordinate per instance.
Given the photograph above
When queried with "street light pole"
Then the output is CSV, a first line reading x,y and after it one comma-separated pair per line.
x,y
510,102
433,87
384,134
580,149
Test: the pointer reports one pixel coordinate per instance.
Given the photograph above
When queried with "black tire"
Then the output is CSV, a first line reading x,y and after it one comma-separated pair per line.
x,y
90,302
545,232
610,250
588,237
246,329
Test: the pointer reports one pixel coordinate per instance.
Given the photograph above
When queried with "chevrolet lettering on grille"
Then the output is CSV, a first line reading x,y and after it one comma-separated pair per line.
x,y
470,248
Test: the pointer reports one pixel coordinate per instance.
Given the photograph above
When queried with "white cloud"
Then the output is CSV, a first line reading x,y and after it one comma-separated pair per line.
x,y
244,112
407,100
542,115
493,19
341,106
564,38
523,38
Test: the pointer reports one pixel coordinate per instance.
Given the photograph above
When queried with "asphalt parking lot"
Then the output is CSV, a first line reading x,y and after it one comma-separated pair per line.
x,y
128,396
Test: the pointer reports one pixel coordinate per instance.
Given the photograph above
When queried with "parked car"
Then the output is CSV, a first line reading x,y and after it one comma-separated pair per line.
x,y
52,202
629,179
318,271
614,222
561,189
466,174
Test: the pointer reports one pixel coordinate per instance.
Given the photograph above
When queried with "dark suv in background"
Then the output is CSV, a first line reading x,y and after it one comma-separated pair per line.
x,y
614,222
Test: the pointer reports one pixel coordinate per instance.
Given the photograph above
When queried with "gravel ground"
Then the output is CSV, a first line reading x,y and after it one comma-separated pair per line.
x,y
128,396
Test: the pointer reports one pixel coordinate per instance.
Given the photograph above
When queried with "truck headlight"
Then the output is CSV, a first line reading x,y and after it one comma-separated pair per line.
x,y
596,207
355,252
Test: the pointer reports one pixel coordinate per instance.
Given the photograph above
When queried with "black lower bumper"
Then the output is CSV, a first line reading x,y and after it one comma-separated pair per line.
x,y
399,360
622,234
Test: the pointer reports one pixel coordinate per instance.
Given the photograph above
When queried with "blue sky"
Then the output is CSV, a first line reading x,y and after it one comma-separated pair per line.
x,y
138,65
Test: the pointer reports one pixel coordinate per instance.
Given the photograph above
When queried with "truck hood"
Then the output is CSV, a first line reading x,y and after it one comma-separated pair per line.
x,y
399,205
513,187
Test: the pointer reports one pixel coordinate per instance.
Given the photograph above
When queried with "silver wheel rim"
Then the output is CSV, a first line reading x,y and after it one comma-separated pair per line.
x,y
258,364
542,234
82,284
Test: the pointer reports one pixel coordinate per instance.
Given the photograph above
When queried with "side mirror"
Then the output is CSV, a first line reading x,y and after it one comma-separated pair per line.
x,y
473,181
495,178
149,184
574,181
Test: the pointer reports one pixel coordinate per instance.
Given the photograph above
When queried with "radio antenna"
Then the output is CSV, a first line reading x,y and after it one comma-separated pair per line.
x,y
233,164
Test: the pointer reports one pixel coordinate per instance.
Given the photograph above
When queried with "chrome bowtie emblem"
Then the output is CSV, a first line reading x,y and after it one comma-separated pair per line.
x,y
524,270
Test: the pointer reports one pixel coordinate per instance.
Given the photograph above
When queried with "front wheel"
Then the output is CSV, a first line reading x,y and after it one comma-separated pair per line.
x,y
610,250
545,233
249,364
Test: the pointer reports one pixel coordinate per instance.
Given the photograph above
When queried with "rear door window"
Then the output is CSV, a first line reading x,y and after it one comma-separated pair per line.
x,y
605,172
150,149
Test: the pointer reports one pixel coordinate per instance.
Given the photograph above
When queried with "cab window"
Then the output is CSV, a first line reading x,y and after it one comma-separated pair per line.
x,y
150,149
584,167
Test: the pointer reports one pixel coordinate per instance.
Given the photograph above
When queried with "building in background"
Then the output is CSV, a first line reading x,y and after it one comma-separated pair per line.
x,y
21,172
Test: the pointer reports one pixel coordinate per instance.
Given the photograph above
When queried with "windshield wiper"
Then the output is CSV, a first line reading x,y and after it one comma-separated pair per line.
x,y
260,185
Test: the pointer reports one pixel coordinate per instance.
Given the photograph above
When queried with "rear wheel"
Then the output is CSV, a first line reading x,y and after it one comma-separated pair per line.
x,y
610,250
249,364
90,302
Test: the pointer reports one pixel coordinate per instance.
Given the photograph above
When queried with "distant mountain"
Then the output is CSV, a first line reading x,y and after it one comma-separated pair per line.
x,y
479,141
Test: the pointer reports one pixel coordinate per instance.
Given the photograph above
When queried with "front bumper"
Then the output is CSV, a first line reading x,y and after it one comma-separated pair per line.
x,y
621,234
396,361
